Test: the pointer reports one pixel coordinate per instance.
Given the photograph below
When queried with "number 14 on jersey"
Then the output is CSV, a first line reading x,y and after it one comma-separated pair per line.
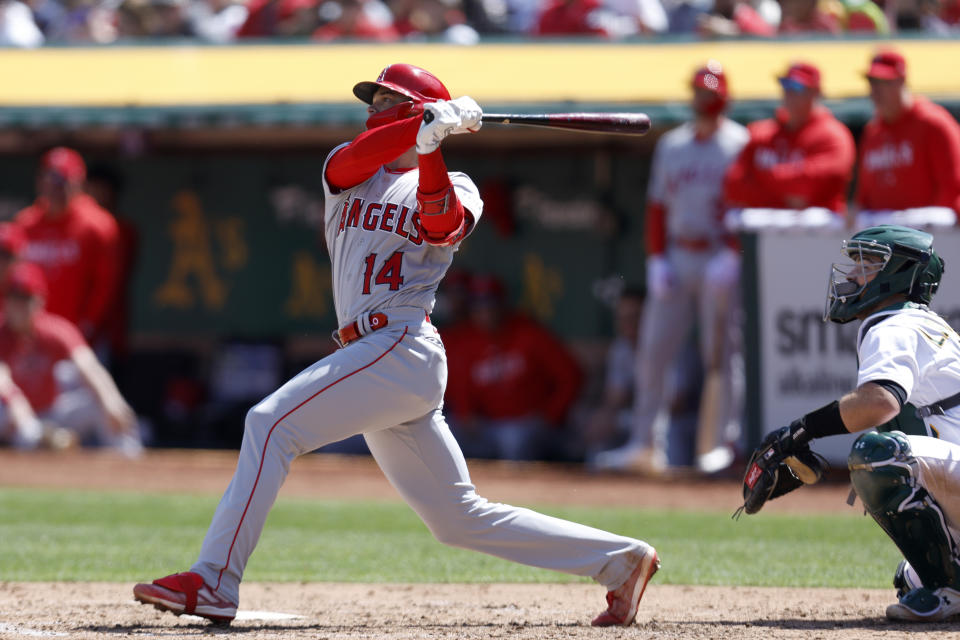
x,y
388,274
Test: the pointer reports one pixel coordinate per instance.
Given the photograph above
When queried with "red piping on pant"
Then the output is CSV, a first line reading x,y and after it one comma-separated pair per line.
x,y
267,441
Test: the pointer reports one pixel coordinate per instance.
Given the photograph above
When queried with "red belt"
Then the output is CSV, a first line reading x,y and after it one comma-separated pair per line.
x,y
352,331
693,244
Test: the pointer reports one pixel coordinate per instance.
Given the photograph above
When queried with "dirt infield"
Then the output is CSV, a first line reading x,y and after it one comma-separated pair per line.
x,y
325,610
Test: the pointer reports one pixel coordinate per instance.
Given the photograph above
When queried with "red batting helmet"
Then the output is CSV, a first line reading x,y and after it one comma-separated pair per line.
x,y
417,84
711,77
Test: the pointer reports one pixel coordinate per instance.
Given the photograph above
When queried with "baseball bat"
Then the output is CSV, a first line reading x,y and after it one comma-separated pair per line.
x,y
636,124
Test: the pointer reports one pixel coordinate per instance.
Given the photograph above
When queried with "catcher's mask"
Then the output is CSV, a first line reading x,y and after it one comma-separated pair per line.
x,y
885,261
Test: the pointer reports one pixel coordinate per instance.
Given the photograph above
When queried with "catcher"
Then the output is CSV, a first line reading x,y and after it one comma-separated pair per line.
x,y
907,472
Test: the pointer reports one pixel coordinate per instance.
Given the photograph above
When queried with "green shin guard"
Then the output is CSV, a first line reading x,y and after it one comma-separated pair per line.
x,y
884,475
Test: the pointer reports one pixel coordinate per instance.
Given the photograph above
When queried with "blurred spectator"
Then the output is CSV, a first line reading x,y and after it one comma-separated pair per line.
x,y
801,158
522,16
692,270
17,26
684,16
734,18
858,16
949,12
910,149
511,383
929,16
76,21
609,426
636,17
933,18
357,19
216,20
73,240
806,16
48,15
33,346
152,19
283,18
571,18
436,19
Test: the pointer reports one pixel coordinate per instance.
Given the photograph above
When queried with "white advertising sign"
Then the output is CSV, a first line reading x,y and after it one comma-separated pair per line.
x,y
806,363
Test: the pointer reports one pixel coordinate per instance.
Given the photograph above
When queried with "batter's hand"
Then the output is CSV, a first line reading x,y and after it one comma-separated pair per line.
x,y
470,114
723,269
440,118
659,276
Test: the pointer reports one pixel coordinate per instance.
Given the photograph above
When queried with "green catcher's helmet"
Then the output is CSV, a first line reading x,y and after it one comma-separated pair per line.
x,y
903,260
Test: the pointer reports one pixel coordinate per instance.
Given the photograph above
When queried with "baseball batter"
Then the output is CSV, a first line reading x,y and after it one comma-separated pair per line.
x,y
394,218
908,482
692,267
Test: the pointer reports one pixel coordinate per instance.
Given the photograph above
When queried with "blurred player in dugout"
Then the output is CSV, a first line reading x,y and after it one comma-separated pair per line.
x,y
74,241
511,382
802,157
693,270
910,149
38,404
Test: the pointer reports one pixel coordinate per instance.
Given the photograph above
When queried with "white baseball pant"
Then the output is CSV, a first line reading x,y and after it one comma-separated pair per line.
x,y
389,386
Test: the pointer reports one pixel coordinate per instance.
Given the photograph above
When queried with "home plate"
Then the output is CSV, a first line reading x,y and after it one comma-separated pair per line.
x,y
24,631
258,615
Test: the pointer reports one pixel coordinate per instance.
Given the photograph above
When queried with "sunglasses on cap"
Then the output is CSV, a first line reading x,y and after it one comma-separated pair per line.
x,y
792,85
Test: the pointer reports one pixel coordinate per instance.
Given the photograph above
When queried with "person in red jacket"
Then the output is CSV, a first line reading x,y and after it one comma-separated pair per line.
x,y
73,240
33,390
803,157
511,382
910,150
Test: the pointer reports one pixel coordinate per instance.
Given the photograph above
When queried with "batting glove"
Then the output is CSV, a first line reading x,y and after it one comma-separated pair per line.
x,y
470,114
439,120
660,279
723,269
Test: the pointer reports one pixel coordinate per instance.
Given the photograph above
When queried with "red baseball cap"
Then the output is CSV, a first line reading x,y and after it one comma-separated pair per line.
x,y
27,279
712,78
801,75
12,238
66,162
888,65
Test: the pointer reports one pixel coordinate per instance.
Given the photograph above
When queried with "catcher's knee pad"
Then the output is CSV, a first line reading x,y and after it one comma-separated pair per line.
x,y
884,474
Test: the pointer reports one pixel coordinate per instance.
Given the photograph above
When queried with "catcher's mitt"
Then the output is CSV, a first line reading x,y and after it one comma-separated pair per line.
x,y
777,467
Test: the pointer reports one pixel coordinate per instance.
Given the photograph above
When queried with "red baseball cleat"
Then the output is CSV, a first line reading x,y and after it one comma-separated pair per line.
x,y
622,602
186,592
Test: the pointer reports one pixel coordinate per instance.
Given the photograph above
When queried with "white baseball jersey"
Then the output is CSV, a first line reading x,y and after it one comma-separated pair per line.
x,y
918,350
687,177
378,254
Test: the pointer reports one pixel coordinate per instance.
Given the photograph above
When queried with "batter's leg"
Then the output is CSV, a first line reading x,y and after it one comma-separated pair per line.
x,y
372,384
423,461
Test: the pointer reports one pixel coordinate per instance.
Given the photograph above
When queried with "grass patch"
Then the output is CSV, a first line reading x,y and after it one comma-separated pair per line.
x,y
111,536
